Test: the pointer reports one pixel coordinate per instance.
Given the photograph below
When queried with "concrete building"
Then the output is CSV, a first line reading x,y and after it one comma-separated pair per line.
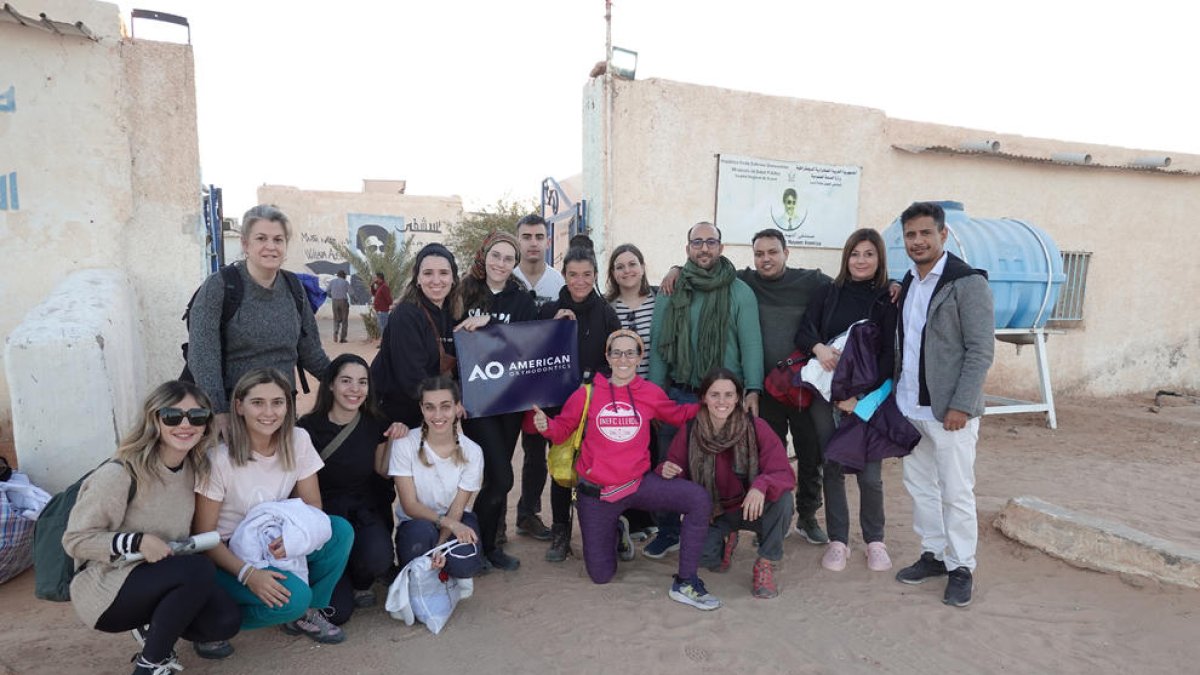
x,y
101,226
650,167
363,219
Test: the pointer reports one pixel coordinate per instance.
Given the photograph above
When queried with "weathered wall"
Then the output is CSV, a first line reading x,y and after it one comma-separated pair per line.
x,y
666,137
103,140
321,217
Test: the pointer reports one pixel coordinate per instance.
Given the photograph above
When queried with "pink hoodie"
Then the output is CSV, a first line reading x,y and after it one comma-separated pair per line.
x,y
616,441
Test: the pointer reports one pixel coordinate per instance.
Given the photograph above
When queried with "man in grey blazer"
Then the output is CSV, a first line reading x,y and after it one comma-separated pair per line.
x,y
946,343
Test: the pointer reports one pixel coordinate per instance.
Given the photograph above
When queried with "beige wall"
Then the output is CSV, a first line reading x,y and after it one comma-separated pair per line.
x,y
103,140
666,137
319,217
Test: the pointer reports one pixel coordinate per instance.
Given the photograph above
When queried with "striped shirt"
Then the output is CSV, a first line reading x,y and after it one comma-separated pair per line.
x,y
638,320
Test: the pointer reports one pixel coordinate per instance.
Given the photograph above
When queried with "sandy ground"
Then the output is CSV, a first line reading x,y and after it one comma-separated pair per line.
x,y
1031,613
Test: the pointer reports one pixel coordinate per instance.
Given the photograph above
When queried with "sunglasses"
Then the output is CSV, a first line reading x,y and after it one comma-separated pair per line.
x,y
173,417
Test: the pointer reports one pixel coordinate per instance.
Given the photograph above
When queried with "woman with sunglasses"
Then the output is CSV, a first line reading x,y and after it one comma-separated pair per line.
x,y
164,597
492,295
437,470
267,459
351,436
614,469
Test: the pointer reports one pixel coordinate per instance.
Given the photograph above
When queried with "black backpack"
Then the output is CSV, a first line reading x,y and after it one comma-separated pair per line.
x,y
234,291
53,569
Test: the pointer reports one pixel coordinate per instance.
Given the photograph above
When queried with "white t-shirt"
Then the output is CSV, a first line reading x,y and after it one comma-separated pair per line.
x,y
547,287
263,479
437,485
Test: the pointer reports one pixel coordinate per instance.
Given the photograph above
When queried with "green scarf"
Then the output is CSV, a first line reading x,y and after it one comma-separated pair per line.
x,y
675,343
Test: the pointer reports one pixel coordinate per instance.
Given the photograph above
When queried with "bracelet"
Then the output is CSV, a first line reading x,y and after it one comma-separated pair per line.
x,y
438,522
244,573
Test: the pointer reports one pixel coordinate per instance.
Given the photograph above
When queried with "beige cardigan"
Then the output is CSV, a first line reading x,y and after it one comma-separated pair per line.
x,y
163,507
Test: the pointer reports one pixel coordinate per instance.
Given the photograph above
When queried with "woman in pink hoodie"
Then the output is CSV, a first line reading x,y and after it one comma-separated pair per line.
x,y
614,468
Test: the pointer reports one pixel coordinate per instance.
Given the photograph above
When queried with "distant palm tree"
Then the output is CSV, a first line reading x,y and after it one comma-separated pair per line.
x,y
394,261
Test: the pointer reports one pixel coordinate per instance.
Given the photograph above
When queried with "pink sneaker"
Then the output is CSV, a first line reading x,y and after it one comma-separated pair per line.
x,y
877,557
835,556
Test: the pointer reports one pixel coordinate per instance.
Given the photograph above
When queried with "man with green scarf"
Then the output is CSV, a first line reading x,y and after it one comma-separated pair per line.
x,y
711,319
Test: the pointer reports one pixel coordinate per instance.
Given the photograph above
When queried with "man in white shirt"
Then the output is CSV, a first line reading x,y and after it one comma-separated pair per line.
x,y
339,292
946,344
545,282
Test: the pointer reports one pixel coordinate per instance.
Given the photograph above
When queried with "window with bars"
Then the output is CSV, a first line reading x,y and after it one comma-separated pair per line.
x,y
1070,298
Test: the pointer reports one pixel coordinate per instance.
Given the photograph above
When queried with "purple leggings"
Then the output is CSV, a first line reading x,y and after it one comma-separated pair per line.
x,y
598,523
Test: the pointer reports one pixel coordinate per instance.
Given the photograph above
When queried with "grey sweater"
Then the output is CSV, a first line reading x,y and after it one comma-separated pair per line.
x,y
781,305
264,332
162,506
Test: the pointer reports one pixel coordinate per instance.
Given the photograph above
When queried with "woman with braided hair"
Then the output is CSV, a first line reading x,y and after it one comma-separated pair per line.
x,y
743,467
437,470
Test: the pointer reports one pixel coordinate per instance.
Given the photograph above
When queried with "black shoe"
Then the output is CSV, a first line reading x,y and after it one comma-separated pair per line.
x,y
958,588
503,561
811,531
560,543
925,568
218,649
532,526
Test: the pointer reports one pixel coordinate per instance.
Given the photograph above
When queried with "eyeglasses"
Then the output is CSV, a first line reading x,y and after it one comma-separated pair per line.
x,y
701,243
173,417
623,354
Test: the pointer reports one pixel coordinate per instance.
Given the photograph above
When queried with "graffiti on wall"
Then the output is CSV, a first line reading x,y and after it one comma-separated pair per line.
x,y
8,192
8,99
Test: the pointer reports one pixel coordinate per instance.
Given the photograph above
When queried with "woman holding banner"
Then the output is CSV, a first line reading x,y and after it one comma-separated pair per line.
x,y
417,341
578,301
492,295
614,469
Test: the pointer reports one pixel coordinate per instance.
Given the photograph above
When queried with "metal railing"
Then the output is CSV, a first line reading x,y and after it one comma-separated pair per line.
x,y
1070,298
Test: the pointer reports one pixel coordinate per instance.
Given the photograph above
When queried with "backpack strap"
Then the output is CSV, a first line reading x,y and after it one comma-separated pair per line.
x,y
341,437
301,299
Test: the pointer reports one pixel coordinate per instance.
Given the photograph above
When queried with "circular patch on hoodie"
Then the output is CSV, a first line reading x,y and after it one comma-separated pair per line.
x,y
618,422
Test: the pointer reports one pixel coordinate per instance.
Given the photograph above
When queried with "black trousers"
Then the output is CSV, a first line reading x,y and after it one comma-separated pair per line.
x,y
497,437
808,447
371,554
177,597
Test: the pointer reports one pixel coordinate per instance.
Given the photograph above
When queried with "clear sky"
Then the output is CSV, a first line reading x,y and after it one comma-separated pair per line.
x,y
481,98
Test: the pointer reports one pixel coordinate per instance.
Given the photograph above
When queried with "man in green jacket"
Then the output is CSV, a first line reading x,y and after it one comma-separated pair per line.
x,y
711,319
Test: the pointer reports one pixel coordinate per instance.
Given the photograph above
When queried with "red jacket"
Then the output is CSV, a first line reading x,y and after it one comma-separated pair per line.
x,y
616,441
382,295
774,477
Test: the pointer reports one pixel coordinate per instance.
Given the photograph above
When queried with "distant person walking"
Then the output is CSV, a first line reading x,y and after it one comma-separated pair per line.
x,y
339,292
381,300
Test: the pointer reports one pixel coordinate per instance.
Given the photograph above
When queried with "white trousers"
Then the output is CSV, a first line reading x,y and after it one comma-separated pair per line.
x,y
940,477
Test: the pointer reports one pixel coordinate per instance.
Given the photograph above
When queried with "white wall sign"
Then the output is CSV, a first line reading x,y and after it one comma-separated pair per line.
x,y
813,204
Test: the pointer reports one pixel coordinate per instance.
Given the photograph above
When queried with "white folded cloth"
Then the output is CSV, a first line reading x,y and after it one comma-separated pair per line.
x,y
304,529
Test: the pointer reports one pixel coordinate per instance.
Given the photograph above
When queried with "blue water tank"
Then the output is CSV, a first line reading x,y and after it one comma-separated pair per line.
x,y
1024,266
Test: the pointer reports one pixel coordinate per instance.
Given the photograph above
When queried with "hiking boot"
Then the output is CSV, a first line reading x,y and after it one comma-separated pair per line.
x,y
811,531
925,568
167,666
624,542
763,586
315,626
502,561
692,592
364,598
531,526
663,544
958,587
217,649
731,542
835,556
878,559
560,542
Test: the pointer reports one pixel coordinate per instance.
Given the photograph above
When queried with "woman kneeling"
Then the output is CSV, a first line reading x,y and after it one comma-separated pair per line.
x,y
744,467
267,460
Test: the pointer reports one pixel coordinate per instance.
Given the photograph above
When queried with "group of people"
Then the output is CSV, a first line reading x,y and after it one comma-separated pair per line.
x,y
679,442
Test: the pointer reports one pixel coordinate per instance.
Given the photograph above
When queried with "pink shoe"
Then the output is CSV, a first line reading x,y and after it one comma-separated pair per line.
x,y
835,556
877,557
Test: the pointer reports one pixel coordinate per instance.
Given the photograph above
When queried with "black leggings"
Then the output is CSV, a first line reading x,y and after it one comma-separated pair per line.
x,y
497,437
370,557
178,597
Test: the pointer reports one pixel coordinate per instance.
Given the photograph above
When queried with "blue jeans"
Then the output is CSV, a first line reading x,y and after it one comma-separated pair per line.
x,y
668,521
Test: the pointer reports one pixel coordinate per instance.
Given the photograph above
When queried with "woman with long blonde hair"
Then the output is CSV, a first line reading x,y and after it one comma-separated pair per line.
x,y
136,504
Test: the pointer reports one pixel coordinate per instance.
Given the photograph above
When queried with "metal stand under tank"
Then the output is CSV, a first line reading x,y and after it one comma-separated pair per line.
x,y
999,405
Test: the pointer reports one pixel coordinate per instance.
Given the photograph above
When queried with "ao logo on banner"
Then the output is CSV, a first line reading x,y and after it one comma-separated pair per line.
x,y
512,367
